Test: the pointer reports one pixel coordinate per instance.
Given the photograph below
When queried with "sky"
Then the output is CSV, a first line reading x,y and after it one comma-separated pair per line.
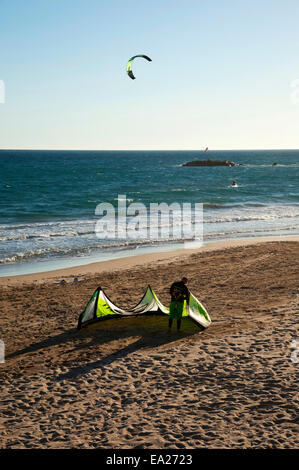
x,y
224,74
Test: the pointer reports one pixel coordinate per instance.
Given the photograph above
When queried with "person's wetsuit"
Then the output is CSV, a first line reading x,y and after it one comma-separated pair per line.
x,y
179,293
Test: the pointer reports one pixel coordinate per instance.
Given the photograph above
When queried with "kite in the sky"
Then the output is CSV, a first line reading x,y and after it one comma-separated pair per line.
x,y
129,64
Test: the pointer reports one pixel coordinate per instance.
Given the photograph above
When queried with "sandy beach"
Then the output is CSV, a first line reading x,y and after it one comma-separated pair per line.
x,y
129,383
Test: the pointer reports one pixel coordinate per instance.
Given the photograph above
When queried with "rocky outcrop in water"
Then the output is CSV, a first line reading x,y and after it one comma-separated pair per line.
x,y
211,163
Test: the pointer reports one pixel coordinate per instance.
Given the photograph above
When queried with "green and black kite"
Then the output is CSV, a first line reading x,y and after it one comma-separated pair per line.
x,y
100,307
129,64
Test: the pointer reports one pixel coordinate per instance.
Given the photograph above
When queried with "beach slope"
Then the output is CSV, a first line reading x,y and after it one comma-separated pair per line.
x,y
129,383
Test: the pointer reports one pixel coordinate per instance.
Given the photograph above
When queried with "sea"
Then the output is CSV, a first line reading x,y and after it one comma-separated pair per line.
x,y
50,200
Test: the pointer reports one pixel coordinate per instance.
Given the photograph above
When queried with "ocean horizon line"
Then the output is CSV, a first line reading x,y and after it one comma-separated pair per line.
x,y
148,150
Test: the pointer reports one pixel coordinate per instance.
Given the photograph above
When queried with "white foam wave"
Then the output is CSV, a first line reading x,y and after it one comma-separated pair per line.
x,y
33,241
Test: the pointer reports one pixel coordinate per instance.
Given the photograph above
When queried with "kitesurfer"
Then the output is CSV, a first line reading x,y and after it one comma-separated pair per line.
x,y
179,293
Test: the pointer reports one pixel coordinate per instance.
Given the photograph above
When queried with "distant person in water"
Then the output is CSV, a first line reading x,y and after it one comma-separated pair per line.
x,y
179,293
234,183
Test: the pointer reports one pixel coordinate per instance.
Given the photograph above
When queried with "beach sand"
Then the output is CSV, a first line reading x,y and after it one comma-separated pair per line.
x,y
129,383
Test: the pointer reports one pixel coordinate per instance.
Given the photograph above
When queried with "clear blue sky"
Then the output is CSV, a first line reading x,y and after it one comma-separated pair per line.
x,y
220,74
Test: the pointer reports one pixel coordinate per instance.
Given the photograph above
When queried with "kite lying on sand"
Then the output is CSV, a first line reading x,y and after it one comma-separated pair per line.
x,y
100,307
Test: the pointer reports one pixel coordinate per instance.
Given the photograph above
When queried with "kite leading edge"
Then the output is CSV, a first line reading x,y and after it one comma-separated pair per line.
x,y
129,64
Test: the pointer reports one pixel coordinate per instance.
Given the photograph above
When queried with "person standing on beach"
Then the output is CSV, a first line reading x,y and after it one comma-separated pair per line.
x,y
179,293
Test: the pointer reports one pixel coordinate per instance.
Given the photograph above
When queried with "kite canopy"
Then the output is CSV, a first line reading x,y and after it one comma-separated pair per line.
x,y
100,307
129,64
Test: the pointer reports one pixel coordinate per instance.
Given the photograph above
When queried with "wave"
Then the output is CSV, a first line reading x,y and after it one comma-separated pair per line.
x,y
81,252
226,233
266,165
27,242
122,245
249,218
213,213
58,223
38,236
209,205
241,218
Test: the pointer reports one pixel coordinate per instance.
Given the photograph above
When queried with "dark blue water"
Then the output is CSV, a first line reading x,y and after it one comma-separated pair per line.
x,y
48,198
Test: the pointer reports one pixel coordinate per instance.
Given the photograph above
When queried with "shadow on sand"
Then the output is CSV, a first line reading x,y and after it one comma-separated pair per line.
x,y
151,332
